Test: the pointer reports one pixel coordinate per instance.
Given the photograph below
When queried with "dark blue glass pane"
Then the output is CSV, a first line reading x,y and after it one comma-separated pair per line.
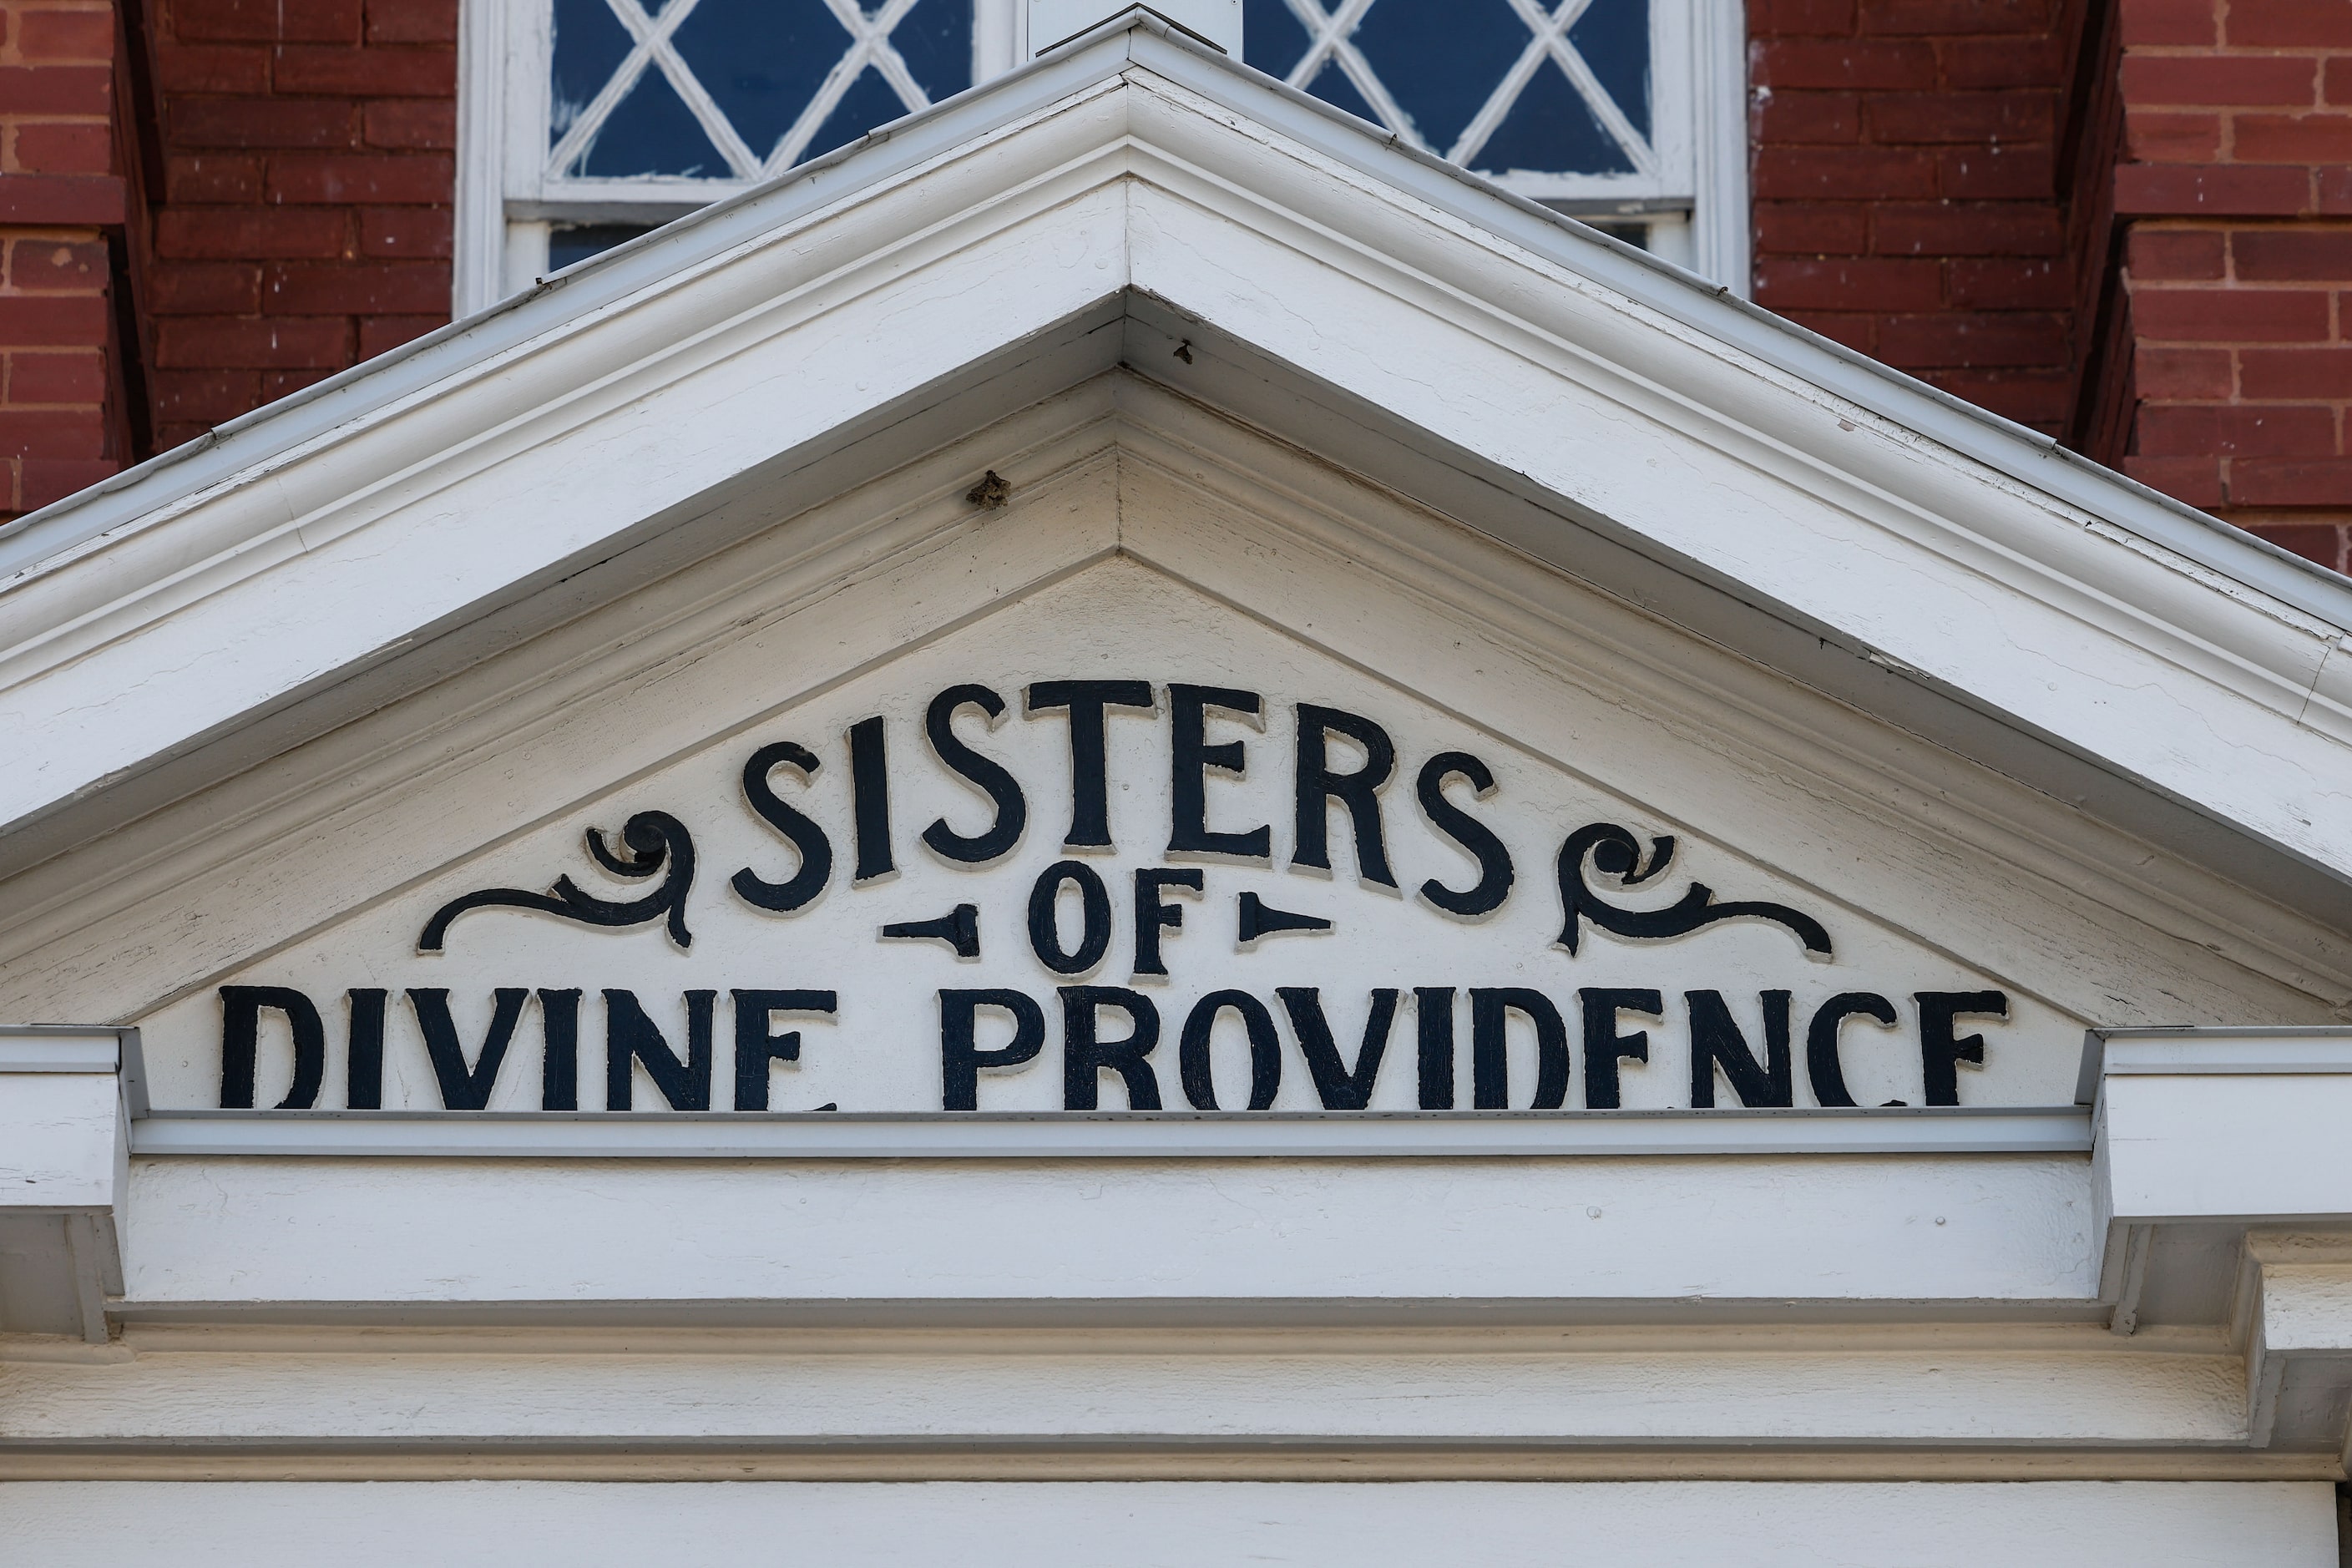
x,y
1332,86
574,242
935,40
1613,37
870,102
760,60
590,43
1551,131
651,132
1440,59
1272,39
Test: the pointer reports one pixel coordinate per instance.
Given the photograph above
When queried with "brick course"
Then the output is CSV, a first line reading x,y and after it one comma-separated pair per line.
x,y
60,414
1906,171
2239,129
1937,183
306,215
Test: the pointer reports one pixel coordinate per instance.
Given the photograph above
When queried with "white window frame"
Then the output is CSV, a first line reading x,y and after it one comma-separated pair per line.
x,y
1692,201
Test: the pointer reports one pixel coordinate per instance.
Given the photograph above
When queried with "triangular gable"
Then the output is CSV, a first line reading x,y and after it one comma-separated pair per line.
x,y
429,868
1139,203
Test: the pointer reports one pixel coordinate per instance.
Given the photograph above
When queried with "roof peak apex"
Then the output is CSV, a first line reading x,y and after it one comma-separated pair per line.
x,y
1215,24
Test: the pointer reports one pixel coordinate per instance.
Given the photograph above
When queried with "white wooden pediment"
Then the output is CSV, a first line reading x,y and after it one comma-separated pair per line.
x,y
1145,542
1889,659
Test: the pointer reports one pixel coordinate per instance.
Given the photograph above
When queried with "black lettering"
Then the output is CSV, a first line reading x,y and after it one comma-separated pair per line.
x,y
1717,1043
1317,786
1604,1048
1490,1061
1086,1055
1087,702
962,1058
363,1063
1188,829
463,1088
559,1070
756,1046
1265,1049
988,776
1337,1085
1044,918
1477,839
241,1008
630,1036
1432,1014
1941,1051
807,838
869,787
1154,914
1821,1063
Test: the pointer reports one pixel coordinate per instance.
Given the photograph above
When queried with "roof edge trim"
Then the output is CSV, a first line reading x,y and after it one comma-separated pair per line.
x,y
1140,37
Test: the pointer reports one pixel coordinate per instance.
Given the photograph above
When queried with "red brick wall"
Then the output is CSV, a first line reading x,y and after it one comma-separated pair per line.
x,y
59,195
308,184
1910,189
2238,194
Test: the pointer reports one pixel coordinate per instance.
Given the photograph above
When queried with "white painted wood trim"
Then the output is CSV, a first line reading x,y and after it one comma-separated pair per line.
x,y
2259,1057
71,1048
1720,220
477,245
1336,1383
999,37
95,1052
554,1240
594,1135
2123,1053
265,1523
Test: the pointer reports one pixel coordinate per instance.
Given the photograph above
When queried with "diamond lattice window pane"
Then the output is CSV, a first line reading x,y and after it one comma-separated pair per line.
x,y
1440,59
652,132
590,45
935,40
733,89
760,60
1549,87
1614,40
866,102
1551,126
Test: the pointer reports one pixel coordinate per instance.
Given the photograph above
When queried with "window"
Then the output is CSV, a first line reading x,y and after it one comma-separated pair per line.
x,y
1610,109
594,121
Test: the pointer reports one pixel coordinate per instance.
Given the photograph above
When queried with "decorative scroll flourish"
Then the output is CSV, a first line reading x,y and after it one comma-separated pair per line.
x,y
959,927
1259,919
1616,854
655,841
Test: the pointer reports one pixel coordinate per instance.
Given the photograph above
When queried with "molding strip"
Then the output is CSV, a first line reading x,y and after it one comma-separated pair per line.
x,y
1337,1457
1137,1135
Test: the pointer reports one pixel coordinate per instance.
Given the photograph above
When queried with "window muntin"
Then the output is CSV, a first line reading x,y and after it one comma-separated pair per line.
x,y
601,117
1516,90
738,90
